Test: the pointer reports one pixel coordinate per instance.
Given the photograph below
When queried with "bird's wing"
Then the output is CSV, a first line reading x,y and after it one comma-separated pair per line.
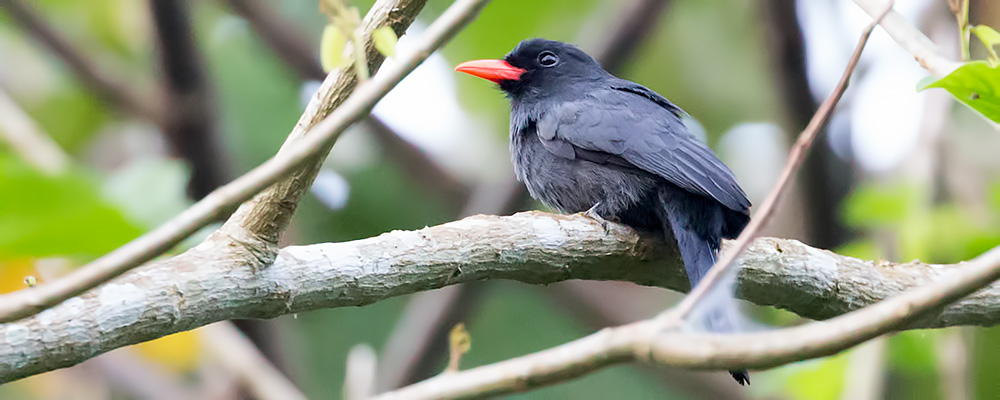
x,y
630,128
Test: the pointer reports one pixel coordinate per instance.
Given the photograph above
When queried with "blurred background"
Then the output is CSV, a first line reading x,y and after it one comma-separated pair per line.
x,y
148,105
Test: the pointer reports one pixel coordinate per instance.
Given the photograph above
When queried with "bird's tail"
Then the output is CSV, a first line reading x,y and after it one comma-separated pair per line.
x,y
698,253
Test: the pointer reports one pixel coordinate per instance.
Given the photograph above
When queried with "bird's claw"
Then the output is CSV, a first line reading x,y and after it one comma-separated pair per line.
x,y
592,214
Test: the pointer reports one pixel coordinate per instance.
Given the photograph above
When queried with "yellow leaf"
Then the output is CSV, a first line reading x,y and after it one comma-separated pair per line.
x,y
460,343
385,41
331,48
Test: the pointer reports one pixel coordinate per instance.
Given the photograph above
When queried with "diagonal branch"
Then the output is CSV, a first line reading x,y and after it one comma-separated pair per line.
x,y
214,283
286,40
795,158
257,224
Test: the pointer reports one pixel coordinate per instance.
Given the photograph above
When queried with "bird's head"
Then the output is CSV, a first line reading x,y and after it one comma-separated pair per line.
x,y
536,66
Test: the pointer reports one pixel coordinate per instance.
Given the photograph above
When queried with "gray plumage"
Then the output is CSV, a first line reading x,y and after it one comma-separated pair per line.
x,y
582,138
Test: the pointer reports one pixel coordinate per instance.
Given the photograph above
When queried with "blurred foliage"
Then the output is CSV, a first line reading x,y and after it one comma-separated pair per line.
x,y
44,216
937,233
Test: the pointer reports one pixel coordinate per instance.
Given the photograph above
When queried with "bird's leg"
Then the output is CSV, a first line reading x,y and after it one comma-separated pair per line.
x,y
593,214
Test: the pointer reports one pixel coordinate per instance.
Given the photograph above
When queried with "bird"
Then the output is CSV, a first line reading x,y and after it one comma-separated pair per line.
x,y
583,140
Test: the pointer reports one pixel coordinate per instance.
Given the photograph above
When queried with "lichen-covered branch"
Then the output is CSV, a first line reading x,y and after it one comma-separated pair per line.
x,y
218,281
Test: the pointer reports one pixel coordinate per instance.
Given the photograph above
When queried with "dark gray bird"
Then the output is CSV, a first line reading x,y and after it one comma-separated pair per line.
x,y
584,140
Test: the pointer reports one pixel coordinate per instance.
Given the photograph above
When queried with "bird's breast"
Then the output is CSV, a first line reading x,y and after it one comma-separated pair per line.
x,y
575,185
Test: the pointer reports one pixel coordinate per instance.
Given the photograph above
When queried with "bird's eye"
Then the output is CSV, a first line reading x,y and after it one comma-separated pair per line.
x,y
548,59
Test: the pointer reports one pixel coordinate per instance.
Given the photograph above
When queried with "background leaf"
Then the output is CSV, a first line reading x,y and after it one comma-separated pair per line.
x,y
64,215
975,84
385,41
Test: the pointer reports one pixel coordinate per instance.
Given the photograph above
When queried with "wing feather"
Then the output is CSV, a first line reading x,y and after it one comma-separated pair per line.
x,y
611,127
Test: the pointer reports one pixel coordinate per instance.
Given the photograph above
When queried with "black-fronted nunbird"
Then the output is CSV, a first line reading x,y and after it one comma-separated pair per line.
x,y
585,140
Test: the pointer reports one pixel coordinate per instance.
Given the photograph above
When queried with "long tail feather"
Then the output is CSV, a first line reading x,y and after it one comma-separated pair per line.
x,y
699,255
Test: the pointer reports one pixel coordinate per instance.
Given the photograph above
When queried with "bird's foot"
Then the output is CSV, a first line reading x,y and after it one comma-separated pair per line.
x,y
592,214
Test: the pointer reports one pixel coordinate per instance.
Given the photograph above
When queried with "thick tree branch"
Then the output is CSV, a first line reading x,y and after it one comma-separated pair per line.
x,y
649,341
223,338
216,281
257,224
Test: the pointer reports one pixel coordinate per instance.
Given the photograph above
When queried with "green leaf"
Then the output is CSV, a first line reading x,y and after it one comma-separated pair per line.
x,y
975,84
331,48
990,38
64,215
385,41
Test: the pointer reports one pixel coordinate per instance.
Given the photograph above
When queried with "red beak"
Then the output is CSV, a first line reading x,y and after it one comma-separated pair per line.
x,y
494,70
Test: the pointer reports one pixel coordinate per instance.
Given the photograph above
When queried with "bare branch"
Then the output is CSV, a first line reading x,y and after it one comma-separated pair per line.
x,y
268,214
646,341
795,158
217,281
114,92
286,40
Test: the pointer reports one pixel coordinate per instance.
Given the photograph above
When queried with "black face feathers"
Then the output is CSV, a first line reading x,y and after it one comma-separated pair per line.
x,y
548,62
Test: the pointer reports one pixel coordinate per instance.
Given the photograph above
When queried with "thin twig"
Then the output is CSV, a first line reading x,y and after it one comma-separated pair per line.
x,y
766,210
29,301
114,92
286,40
